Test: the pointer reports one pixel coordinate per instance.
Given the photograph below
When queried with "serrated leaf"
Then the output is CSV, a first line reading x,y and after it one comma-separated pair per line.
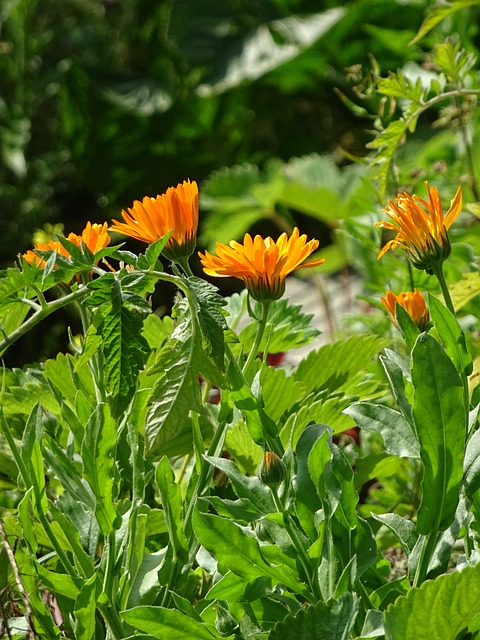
x,y
287,328
398,436
211,319
124,350
333,365
331,620
175,393
441,423
279,391
386,143
243,448
399,85
439,610
98,455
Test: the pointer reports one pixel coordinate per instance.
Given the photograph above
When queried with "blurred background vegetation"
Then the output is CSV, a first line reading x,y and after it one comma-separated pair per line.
x,y
268,104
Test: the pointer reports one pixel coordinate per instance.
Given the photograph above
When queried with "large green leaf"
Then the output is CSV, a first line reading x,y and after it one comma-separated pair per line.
x,y
241,553
331,620
98,455
440,609
167,623
85,610
175,393
441,423
334,366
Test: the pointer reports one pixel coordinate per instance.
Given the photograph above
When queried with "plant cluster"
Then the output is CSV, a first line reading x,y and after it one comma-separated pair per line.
x,y
176,476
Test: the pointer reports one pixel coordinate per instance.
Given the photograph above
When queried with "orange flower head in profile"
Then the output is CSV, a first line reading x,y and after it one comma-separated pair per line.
x,y
52,245
94,236
421,227
414,304
262,263
175,211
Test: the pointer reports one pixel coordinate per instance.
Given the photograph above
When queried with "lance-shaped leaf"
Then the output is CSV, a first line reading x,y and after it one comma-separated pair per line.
x,y
241,553
98,455
451,335
167,623
171,495
441,423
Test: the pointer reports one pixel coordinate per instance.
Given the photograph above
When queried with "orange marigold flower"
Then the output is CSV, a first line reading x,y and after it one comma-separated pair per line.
x,y
176,211
414,304
94,236
261,263
421,226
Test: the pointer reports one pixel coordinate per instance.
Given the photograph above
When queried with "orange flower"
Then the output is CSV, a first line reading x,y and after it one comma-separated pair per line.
x,y
421,226
52,245
176,211
414,304
94,236
262,264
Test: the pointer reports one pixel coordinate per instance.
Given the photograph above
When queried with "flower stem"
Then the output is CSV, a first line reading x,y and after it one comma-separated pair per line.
x,y
437,269
258,339
428,547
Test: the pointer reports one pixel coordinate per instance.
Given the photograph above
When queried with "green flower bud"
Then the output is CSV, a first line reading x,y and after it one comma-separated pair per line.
x,y
225,623
272,470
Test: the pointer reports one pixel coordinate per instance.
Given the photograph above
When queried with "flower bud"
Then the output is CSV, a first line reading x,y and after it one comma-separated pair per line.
x,y
271,470
225,623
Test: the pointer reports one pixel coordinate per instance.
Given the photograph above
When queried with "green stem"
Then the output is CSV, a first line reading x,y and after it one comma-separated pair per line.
x,y
258,339
41,314
428,547
437,269
302,555
109,577
113,620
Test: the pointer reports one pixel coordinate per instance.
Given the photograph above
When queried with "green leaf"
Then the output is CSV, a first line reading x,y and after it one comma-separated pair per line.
x,y
176,392
171,495
59,583
441,423
240,443
98,455
398,374
398,436
155,249
211,319
234,589
439,12
32,456
246,487
472,465
307,502
465,289
124,350
409,329
334,366
85,610
404,529
279,391
441,609
167,623
146,586
451,335
241,553
331,620
287,328
386,143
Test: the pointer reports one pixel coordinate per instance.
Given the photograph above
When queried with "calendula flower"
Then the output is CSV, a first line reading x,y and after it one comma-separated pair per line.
x,y
421,226
271,470
94,236
414,304
175,211
261,263
52,245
